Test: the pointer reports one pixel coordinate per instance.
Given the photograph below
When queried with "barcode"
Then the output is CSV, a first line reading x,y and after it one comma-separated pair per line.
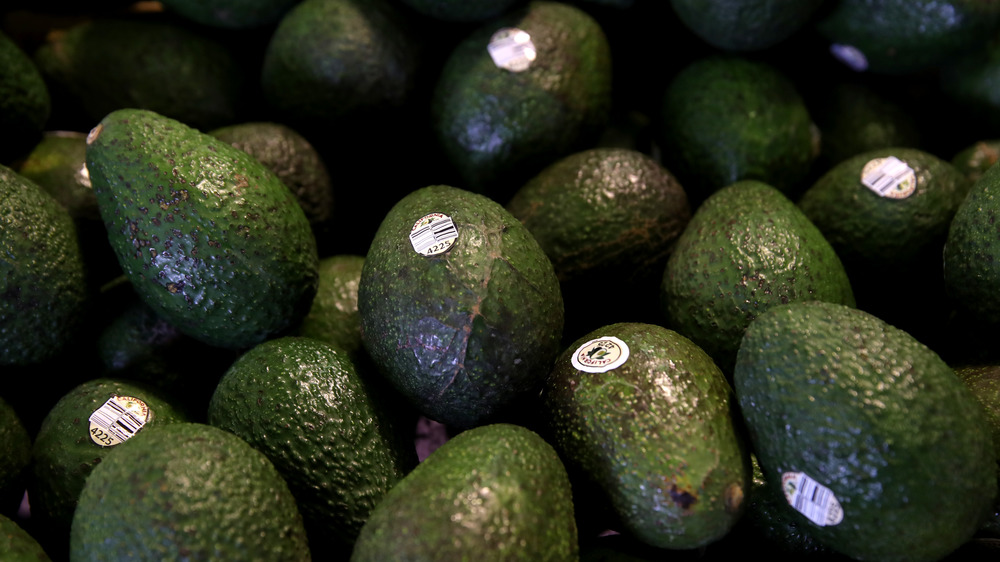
x,y
887,175
432,234
116,420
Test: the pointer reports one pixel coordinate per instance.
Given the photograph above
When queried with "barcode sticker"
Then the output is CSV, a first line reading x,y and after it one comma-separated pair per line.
x,y
512,49
812,499
889,177
433,234
118,420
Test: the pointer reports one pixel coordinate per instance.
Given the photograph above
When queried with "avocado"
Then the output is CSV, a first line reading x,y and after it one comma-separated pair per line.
x,y
725,118
25,104
302,403
102,64
231,14
43,285
58,164
746,249
460,307
646,416
210,238
333,317
15,459
78,433
973,160
498,491
521,91
900,37
745,25
294,160
462,11
881,451
17,545
971,264
188,491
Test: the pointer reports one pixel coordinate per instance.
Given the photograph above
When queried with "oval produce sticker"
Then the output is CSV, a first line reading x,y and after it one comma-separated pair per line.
x,y
118,420
600,355
433,234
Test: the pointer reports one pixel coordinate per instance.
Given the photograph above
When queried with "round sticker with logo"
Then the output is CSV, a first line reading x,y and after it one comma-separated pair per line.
x,y
433,234
118,420
600,355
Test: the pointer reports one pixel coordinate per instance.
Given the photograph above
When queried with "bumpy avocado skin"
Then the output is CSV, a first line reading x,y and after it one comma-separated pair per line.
x,y
25,104
43,286
497,127
209,237
747,248
657,435
726,118
465,333
303,403
188,491
876,417
496,492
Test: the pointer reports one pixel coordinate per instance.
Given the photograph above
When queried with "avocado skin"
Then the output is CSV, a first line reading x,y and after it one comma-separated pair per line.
x,y
189,491
499,128
725,118
972,254
43,286
104,64
909,36
497,492
657,435
746,249
304,404
25,104
741,25
210,238
875,416
463,334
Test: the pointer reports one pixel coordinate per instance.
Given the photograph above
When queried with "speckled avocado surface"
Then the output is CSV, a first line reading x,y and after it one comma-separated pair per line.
x,y
881,450
497,491
647,416
209,237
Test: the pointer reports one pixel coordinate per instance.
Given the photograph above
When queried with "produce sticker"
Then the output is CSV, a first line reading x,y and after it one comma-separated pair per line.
x,y
600,355
118,420
812,499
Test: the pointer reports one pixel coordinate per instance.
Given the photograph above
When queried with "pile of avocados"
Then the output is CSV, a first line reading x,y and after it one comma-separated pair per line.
x,y
518,280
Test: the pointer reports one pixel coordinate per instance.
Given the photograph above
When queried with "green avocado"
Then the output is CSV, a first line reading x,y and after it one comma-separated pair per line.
x,y
70,444
460,307
303,403
745,25
43,285
648,418
897,37
25,104
494,492
102,64
747,248
520,92
881,451
725,118
187,491
210,238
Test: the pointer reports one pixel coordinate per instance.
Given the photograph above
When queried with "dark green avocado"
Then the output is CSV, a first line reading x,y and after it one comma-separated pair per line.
x,y
210,238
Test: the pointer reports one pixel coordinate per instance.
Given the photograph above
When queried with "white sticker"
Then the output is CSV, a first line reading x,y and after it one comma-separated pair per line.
x,y
812,499
433,234
600,355
889,177
512,49
118,420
